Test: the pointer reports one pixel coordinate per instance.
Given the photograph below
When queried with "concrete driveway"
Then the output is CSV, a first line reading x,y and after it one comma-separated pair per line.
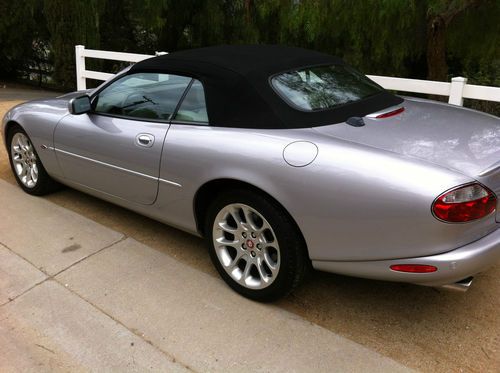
x,y
117,290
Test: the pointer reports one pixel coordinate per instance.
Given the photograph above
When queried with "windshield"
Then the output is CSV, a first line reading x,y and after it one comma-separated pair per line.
x,y
323,87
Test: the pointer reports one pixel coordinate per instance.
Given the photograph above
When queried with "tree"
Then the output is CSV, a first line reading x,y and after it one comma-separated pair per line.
x,y
71,23
21,37
440,14
407,38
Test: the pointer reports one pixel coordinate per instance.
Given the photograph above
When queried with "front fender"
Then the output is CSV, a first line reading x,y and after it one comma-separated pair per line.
x,y
39,119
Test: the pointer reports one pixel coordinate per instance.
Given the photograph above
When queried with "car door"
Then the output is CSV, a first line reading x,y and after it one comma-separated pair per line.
x,y
116,148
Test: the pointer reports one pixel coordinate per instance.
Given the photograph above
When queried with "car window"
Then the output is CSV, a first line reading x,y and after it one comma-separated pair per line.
x,y
193,108
323,87
142,95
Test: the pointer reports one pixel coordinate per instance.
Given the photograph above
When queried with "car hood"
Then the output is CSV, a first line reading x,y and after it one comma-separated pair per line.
x,y
453,137
55,107
52,104
62,101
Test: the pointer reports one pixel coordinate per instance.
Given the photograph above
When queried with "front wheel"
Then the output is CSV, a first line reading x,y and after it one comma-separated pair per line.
x,y
255,245
26,165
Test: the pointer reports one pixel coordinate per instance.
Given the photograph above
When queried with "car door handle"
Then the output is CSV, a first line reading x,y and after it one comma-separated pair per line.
x,y
145,139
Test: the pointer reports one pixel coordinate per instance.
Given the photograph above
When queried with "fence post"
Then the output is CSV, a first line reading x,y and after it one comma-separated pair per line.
x,y
456,91
81,82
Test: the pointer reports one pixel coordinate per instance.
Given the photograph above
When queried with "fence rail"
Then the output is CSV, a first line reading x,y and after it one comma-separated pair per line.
x,y
456,90
82,74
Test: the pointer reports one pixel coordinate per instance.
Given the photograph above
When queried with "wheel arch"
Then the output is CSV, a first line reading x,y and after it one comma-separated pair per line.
x,y
207,192
6,130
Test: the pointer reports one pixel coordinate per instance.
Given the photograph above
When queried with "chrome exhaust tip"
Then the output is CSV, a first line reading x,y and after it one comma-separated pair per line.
x,y
461,286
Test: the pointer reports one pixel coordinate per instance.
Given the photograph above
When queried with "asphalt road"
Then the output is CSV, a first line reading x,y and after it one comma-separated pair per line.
x,y
422,328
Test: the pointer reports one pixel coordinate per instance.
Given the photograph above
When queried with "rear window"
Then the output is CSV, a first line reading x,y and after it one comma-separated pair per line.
x,y
323,87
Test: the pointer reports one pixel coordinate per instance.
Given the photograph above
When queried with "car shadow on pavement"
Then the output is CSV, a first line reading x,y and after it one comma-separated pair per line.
x,y
422,327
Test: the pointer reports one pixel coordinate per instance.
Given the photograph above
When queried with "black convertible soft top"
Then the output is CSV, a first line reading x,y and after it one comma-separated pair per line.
x,y
236,80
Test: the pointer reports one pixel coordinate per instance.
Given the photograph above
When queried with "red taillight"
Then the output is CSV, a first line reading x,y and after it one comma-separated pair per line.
x,y
391,113
464,204
414,268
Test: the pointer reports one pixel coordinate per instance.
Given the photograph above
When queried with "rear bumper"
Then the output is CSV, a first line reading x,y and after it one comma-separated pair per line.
x,y
452,266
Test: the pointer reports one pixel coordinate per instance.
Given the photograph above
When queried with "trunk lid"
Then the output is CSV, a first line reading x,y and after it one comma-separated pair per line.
x,y
453,137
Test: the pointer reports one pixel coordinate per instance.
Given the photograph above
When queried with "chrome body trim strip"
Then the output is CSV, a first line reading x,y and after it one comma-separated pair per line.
x,y
173,183
116,167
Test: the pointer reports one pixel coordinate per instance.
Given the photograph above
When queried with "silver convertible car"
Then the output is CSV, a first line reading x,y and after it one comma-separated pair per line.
x,y
283,159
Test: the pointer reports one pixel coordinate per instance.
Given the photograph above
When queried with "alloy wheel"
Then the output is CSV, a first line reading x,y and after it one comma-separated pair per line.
x,y
246,246
24,160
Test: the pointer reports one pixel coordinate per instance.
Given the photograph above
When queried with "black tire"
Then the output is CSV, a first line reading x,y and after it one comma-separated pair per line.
x,y
294,261
45,184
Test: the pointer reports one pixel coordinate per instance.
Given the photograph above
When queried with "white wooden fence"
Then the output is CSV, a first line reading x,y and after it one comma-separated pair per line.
x,y
457,90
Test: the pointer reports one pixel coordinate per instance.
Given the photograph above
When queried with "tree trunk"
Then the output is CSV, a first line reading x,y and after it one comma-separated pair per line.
x,y
248,16
437,68
40,73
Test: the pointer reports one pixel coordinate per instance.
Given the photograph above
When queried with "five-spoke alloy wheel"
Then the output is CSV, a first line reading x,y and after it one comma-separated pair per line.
x,y
255,245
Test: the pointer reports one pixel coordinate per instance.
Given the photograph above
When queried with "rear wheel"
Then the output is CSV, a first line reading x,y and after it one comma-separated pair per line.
x,y
255,245
26,166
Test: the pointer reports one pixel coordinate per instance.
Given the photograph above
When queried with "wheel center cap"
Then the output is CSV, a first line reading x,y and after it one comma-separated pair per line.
x,y
250,244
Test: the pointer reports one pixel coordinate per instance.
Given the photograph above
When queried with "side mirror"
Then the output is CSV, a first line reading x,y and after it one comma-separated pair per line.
x,y
79,105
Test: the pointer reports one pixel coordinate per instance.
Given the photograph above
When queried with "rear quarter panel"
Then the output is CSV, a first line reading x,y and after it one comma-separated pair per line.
x,y
491,179
352,203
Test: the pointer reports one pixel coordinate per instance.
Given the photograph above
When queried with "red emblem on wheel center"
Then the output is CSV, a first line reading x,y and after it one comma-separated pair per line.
x,y
250,244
